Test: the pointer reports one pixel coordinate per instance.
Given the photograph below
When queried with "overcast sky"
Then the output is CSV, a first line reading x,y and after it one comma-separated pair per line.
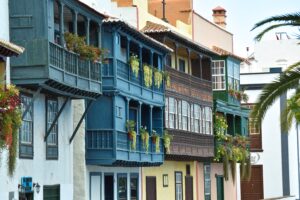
x,y
242,15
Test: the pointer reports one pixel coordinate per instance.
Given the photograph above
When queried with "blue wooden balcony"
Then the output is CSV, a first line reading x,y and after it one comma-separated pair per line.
x,y
109,147
59,71
128,84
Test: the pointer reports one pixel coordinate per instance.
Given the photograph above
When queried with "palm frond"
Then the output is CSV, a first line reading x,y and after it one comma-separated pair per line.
x,y
293,17
293,66
259,36
272,91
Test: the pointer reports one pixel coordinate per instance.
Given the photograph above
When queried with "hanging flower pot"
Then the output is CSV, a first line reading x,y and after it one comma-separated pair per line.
x,y
130,125
167,78
145,138
158,77
167,141
155,140
147,75
135,65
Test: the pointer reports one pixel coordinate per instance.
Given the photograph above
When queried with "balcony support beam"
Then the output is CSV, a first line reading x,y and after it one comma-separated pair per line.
x,y
139,116
35,95
56,118
80,121
176,56
128,56
87,28
189,61
61,23
200,63
75,18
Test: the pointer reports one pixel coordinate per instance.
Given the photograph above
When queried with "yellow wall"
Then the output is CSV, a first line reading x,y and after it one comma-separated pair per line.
x,y
169,167
2,72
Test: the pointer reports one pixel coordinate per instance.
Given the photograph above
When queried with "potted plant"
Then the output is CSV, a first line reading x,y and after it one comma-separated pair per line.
x,y
167,79
130,124
147,75
145,137
158,77
167,141
134,64
155,140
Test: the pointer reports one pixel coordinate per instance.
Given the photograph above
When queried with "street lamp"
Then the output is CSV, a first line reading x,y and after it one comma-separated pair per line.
x,y
37,187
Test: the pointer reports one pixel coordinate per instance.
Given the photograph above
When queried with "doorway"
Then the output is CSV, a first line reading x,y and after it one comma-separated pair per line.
x,y
108,187
150,188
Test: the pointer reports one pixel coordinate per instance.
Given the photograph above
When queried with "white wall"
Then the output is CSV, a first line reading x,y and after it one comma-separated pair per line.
x,y
4,31
45,172
271,142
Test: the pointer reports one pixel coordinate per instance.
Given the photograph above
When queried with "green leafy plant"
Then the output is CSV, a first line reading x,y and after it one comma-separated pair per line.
x,y
231,150
10,122
167,78
130,125
239,95
77,44
167,140
158,77
155,140
134,64
145,137
147,75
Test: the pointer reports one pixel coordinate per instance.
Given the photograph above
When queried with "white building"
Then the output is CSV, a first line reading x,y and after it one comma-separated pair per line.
x,y
44,165
274,153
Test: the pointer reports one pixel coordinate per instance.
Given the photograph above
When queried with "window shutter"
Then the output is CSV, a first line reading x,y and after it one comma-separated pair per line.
x,y
167,113
176,116
179,115
192,118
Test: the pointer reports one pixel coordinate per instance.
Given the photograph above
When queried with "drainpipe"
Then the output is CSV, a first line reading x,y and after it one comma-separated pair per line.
x,y
297,132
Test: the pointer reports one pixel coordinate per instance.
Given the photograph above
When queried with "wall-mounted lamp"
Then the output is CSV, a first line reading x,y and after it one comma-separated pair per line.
x,y
37,187
165,180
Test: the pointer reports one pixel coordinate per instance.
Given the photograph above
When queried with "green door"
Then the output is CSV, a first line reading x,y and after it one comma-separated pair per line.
x,y
220,187
51,192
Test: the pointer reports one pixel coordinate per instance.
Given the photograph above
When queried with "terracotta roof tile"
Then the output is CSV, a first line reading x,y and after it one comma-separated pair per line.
x,y
223,52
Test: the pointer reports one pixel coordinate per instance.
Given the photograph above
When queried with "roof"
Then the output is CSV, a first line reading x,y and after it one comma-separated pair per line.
x,y
151,28
9,49
219,8
223,52
112,20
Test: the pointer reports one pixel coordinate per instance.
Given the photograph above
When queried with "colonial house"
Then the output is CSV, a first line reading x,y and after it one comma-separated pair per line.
x,y
132,98
188,118
50,76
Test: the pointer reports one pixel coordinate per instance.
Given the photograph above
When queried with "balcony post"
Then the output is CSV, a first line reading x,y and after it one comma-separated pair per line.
x,y
75,18
141,66
139,116
176,55
200,65
61,24
99,35
151,64
127,108
128,56
189,61
87,28
150,117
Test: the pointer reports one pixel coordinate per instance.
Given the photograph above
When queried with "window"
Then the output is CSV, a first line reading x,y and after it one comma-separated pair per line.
x,y
181,65
26,130
167,113
122,187
253,130
169,60
172,112
233,71
52,140
134,185
208,120
185,115
218,75
203,121
178,186
179,115
197,118
207,182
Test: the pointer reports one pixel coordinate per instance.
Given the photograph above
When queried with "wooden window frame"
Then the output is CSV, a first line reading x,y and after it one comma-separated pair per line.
x,y
48,157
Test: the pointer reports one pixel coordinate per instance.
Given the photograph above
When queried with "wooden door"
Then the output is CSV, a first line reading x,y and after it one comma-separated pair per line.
x,y
150,188
253,189
51,192
220,187
188,188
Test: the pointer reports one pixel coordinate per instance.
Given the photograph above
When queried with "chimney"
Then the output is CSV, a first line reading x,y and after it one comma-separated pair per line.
x,y
219,16
164,11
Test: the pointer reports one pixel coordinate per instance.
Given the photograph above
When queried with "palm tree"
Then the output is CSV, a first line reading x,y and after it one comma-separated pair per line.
x,y
289,79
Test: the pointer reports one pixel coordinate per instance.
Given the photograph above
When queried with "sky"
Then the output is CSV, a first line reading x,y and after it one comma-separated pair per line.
x,y
242,15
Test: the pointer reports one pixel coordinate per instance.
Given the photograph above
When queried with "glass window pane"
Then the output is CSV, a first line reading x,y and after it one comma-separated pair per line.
x,y
134,187
122,187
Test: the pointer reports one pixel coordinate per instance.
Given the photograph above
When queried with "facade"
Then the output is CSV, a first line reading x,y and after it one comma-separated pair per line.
x,y
227,96
272,150
112,160
49,78
188,118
